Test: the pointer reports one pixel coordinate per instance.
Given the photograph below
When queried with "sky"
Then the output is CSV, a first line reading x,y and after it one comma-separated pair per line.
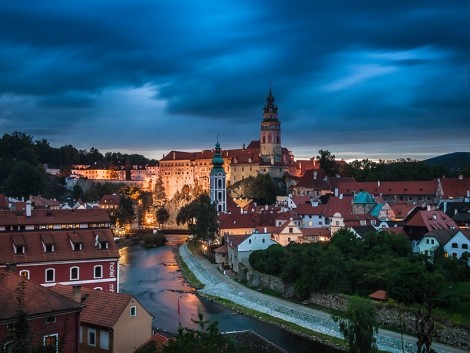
x,y
362,79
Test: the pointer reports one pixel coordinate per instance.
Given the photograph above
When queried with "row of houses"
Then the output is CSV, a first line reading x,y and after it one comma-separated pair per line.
x,y
305,219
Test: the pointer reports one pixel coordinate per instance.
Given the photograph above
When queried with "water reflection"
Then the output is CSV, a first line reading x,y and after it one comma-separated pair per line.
x,y
153,278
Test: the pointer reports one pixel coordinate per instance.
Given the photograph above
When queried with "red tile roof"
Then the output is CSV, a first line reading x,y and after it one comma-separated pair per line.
x,y
455,187
379,295
114,200
315,232
389,187
234,240
39,201
308,209
45,217
34,250
432,220
100,308
38,300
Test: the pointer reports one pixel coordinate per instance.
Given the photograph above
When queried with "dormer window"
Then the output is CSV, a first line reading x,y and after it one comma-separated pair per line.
x,y
101,241
19,245
47,243
75,242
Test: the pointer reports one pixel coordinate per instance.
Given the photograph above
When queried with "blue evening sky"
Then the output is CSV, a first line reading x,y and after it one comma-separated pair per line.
x,y
363,78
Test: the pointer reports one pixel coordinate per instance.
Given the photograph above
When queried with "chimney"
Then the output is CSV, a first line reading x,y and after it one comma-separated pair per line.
x,y
77,293
174,155
336,192
265,230
28,208
378,183
340,196
460,176
243,146
315,175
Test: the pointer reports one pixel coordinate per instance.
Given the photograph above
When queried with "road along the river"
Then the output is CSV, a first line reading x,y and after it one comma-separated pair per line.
x,y
219,285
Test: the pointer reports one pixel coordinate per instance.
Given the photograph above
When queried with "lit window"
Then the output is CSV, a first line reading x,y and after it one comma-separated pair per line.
x,y
24,274
51,343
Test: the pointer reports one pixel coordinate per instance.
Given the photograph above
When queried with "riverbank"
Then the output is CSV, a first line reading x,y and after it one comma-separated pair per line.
x,y
193,272
315,324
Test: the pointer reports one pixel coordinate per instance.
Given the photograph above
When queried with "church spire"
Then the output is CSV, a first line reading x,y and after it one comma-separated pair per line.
x,y
270,109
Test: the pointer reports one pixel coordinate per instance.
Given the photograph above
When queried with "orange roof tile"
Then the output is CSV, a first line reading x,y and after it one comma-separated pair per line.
x,y
42,216
34,250
100,308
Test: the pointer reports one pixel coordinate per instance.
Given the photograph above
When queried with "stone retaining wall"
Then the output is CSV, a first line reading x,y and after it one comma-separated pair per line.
x,y
388,316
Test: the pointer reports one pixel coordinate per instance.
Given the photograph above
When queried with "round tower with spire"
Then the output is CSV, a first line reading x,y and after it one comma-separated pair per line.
x,y
270,135
218,190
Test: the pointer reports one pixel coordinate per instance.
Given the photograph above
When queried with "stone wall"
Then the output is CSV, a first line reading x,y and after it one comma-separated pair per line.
x,y
396,318
388,315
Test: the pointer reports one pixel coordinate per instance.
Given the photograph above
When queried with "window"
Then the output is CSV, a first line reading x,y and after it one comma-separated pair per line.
x,y
291,230
19,249
74,273
10,327
50,319
264,240
49,248
133,311
98,271
455,245
91,337
77,246
249,241
103,245
24,274
104,339
51,341
50,275
464,246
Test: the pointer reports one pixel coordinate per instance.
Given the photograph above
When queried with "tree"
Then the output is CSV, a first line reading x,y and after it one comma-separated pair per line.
x,y
162,216
327,162
264,189
25,179
359,325
201,218
125,213
159,196
206,338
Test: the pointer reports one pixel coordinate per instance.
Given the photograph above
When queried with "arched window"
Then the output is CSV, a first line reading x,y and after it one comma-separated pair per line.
x,y
74,273
98,271
24,274
50,275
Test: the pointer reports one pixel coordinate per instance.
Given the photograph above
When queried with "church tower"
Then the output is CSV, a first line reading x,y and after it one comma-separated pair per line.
x,y
218,190
270,137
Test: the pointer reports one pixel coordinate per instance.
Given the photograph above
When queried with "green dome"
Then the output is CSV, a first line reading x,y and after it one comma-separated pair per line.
x,y
364,197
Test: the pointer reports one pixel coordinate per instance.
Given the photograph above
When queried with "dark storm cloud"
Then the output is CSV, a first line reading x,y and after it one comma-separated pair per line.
x,y
339,70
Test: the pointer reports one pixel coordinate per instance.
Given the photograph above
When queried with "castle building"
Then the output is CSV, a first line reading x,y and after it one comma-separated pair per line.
x,y
218,189
179,169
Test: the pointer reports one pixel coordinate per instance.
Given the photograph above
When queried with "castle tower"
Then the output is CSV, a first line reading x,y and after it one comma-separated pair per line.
x,y
270,137
218,190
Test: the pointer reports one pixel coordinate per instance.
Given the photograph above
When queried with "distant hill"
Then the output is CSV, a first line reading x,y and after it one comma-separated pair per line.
x,y
452,161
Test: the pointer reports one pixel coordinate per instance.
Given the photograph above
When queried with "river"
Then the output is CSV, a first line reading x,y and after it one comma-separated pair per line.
x,y
153,277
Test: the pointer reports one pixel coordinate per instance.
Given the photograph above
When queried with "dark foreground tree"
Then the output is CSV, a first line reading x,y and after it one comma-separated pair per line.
x,y
162,216
201,218
206,338
359,325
